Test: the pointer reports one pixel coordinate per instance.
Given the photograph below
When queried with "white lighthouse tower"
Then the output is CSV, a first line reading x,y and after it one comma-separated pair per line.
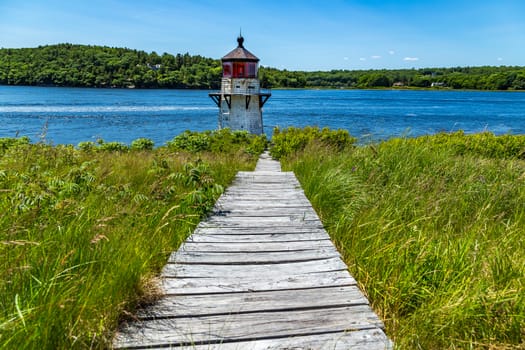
x,y
240,100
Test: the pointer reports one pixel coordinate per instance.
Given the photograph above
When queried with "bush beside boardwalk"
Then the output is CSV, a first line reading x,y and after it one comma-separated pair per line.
x,y
431,227
84,230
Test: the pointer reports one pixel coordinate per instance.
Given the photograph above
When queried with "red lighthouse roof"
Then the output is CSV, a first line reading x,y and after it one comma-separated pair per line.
x,y
240,53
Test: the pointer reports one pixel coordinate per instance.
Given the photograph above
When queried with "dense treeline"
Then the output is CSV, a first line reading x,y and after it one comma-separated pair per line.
x,y
479,78
100,66
97,66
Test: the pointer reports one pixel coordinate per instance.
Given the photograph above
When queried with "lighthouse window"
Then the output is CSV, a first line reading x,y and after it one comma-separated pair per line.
x,y
238,70
252,69
227,70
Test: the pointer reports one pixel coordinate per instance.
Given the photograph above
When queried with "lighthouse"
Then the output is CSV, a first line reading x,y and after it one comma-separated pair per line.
x,y
240,99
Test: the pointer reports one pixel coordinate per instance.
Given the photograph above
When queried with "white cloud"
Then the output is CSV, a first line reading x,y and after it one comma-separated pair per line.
x,y
375,57
391,52
345,58
362,59
411,59
500,59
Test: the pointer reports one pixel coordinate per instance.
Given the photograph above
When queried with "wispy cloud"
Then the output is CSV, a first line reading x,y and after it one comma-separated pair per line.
x,y
391,52
375,57
362,59
345,58
500,59
411,59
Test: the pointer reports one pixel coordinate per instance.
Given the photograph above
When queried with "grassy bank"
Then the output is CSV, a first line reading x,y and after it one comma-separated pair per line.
x,y
432,228
83,230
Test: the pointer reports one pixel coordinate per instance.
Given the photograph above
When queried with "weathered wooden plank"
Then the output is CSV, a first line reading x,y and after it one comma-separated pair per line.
x,y
265,217
251,257
212,284
270,174
269,177
236,187
253,205
262,172
266,165
205,229
224,247
236,227
288,269
265,176
270,185
252,222
243,327
264,191
290,220
266,173
278,237
279,300
265,203
251,209
269,189
233,198
264,234
275,196
369,339
265,211
269,192
269,182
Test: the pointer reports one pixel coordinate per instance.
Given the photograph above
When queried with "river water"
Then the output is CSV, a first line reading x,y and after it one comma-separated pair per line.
x,y
73,115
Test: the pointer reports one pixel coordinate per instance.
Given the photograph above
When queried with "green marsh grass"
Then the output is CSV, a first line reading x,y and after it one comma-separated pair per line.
x,y
432,229
84,231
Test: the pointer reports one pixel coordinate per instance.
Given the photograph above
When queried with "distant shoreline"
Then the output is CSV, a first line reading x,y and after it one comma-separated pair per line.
x,y
407,88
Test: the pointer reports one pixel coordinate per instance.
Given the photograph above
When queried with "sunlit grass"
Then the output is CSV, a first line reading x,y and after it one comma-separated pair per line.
x,y
84,232
432,228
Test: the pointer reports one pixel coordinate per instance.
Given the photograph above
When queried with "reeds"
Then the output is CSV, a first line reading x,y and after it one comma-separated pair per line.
x,y
432,228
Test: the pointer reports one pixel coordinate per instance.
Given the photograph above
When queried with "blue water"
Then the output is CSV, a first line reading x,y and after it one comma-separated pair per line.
x,y
71,115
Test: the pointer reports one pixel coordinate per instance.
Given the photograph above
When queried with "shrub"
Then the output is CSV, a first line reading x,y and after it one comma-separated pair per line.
x,y
190,141
142,144
113,147
219,141
8,142
87,146
293,139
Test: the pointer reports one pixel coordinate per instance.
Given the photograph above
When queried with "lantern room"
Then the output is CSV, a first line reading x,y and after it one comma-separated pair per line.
x,y
239,63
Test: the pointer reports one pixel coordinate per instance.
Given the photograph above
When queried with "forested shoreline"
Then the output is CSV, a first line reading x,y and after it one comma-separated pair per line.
x,y
101,66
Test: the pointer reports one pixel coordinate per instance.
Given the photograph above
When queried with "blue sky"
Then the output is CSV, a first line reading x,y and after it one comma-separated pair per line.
x,y
294,35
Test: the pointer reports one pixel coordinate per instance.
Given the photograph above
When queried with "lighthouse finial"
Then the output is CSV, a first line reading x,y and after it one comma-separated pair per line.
x,y
240,39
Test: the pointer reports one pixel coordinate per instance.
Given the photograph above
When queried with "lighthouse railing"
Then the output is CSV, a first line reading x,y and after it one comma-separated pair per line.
x,y
240,86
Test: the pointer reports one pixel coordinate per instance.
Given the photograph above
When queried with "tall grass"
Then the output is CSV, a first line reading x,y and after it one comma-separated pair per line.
x,y
432,228
84,231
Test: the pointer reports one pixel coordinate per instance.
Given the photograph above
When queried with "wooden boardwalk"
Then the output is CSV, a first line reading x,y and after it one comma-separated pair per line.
x,y
260,273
